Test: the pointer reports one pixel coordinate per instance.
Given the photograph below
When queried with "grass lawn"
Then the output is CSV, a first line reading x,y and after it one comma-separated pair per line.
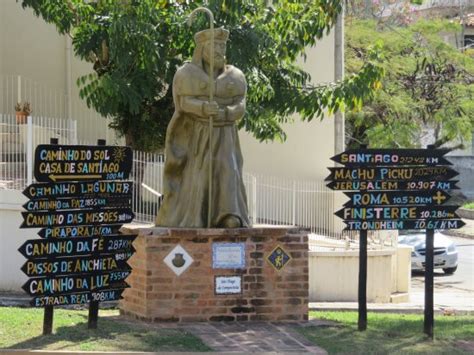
x,y
21,328
469,206
390,334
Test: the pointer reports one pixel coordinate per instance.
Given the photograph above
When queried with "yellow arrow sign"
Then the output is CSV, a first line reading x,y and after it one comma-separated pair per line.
x,y
73,177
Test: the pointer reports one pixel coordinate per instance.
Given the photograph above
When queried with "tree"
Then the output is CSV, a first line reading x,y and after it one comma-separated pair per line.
x,y
394,12
137,45
427,92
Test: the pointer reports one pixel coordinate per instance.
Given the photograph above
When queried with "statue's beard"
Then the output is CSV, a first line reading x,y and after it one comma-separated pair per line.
x,y
219,61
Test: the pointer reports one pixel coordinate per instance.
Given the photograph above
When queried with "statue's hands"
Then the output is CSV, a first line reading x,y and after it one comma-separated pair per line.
x,y
222,114
210,108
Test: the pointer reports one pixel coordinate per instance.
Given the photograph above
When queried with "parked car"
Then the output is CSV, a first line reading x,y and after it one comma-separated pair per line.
x,y
445,252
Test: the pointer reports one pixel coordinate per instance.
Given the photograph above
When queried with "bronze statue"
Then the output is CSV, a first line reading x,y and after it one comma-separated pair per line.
x,y
197,120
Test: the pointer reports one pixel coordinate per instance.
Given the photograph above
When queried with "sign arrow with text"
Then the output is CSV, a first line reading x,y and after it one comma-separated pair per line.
x,y
404,225
51,248
76,265
392,173
387,185
407,198
76,217
75,203
387,157
76,283
79,231
79,189
77,298
81,162
397,212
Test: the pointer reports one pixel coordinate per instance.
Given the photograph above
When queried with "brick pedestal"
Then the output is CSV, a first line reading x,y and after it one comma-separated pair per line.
x,y
158,294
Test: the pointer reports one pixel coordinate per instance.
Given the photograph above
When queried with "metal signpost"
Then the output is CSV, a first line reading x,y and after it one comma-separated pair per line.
x,y
395,189
80,201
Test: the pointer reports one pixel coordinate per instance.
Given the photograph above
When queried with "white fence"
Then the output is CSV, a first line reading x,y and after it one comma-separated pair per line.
x,y
271,200
53,103
18,141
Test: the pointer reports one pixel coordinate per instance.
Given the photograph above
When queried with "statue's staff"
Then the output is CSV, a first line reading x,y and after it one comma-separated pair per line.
x,y
211,98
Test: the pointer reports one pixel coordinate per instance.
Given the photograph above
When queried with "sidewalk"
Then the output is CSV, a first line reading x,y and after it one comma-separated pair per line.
x,y
445,302
251,337
465,232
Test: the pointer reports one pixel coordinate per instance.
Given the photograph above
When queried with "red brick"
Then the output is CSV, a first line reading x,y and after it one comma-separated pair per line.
x,y
157,293
302,293
222,318
261,317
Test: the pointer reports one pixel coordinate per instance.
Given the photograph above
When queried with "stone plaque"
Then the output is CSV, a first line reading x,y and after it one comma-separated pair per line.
x,y
228,285
278,258
228,255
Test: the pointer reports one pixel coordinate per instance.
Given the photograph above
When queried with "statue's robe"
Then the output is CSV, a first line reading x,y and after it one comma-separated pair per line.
x,y
186,173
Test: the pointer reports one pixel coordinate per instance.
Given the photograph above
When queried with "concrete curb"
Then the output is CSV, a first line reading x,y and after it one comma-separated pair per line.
x,y
388,309
48,352
456,233
465,213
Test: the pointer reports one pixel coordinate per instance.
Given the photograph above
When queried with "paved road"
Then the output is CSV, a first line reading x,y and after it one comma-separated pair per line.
x,y
451,291
462,279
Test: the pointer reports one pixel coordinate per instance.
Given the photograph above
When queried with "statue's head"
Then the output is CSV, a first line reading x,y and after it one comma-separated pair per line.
x,y
203,43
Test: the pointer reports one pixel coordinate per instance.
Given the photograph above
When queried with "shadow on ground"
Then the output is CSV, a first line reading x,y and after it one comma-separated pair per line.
x,y
113,335
387,334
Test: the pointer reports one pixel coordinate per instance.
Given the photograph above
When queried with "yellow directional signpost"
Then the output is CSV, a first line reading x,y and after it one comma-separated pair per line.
x,y
395,189
80,201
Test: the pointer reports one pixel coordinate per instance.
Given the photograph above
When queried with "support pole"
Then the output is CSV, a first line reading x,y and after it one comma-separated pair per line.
x,y
48,320
362,292
93,315
49,310
362,321
429,279
429,276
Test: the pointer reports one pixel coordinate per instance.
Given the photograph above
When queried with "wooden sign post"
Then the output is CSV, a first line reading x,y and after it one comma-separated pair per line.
x,y
80,202
93,315
49,310
395,189
362,294
429,278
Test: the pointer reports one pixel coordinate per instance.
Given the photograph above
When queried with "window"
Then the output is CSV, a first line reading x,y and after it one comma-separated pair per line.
x,y
468,41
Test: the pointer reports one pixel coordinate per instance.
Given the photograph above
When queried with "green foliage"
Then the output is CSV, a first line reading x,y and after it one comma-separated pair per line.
x,y
395,12
389,334
469,206
428,86
137,45
21,328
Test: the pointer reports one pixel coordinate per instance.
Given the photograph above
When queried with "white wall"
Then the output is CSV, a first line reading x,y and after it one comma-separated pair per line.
x,y
2,34
33,49
333,276
309,145
11,238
